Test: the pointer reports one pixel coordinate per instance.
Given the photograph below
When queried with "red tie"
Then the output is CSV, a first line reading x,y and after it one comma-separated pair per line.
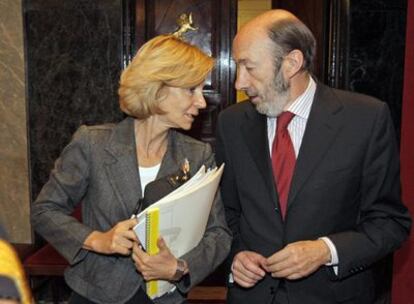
x,y
283,159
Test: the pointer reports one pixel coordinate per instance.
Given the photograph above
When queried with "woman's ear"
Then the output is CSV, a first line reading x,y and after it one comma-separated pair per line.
x,y
293,63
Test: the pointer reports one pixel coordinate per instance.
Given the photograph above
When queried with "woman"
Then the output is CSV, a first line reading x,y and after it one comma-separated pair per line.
x,y
107,167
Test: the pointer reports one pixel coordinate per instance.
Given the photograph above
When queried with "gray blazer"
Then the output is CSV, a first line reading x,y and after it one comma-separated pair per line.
x,y
99,167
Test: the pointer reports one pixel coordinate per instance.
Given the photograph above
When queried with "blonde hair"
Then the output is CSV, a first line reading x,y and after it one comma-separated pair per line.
x,y
163,60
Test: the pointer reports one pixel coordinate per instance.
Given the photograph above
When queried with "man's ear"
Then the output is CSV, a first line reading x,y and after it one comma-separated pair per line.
x,y
293,63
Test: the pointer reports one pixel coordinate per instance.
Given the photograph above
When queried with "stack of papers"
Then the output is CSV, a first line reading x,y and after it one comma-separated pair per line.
x,y
183,215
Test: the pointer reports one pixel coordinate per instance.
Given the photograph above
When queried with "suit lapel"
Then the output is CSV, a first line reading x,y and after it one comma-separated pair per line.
x,y
255,133
121,165
323,125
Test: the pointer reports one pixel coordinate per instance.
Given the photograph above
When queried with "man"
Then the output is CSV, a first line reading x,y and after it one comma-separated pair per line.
x,y
311,186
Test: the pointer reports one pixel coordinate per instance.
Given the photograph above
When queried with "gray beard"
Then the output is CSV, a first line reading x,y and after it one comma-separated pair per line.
x,y
273,108
280,97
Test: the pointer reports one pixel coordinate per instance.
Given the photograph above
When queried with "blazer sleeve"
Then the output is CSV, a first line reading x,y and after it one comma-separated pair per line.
x,y
229,191
215,244
67,184
384,222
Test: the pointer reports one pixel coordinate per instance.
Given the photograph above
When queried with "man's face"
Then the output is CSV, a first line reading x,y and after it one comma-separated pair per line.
x,y
257,74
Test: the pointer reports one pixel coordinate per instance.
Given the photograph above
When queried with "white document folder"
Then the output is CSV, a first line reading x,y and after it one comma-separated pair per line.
x,y
183,216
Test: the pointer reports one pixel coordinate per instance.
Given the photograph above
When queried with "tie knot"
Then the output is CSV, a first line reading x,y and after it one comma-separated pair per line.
x,y
283,120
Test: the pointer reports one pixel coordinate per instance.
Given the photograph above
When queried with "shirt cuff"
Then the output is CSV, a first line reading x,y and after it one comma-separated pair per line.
x,y
230,278
334,254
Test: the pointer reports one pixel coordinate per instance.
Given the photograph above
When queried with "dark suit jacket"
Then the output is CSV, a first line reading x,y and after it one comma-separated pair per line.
x,y
346,186
99,167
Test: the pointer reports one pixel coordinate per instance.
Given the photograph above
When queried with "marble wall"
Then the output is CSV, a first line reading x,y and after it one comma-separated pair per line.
x,y
14,173
74,56
74,60
376,53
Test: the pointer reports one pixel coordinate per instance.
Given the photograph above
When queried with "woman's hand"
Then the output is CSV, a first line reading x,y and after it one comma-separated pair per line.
x,y
120,239
161,266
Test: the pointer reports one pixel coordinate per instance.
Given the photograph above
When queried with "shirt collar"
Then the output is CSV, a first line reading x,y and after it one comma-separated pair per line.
x,y
301,106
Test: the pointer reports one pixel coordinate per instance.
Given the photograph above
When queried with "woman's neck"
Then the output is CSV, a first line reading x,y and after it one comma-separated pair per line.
x,y
151,141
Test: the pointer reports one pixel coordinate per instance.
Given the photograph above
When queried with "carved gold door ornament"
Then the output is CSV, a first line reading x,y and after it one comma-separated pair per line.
x,y
185,23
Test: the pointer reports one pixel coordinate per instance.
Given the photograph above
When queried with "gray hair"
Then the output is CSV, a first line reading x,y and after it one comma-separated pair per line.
x,y
289,35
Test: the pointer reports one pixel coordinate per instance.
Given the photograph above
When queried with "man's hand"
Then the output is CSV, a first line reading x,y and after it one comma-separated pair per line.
x,y
161,266
248,268
298,260
119,239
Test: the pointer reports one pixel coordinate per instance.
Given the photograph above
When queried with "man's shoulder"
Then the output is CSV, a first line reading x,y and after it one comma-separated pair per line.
x,y
237,110
350,98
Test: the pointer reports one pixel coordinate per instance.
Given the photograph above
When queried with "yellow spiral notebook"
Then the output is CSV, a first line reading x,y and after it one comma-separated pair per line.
x,y
152,234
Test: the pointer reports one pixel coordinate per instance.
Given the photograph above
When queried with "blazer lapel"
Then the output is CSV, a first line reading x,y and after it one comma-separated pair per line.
x,y
122,166
173,158
321,130
255,133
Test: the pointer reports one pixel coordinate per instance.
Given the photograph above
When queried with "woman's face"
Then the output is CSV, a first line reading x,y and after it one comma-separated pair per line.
x,y
181,106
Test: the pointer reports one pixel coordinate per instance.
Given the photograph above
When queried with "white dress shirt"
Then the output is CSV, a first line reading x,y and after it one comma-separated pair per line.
x,y
147,175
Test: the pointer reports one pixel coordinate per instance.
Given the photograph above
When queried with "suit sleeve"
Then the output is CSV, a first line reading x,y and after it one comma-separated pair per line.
x,y
215,244
51,212
384,222
229,191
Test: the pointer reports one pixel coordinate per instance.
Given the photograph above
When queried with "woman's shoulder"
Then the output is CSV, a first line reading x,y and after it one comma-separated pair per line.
x,y
195,151
96,130
189,142
95,133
